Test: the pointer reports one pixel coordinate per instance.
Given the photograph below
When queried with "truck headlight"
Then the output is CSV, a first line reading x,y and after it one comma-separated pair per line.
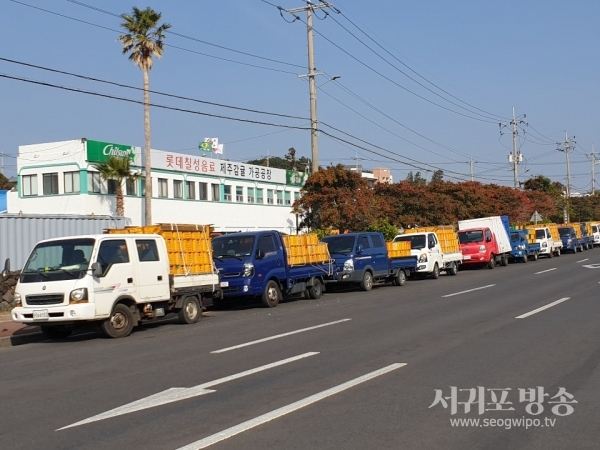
x,y
248,270
521,247
78,296
482,249
17,299
544,244
423,257
348,265
569,241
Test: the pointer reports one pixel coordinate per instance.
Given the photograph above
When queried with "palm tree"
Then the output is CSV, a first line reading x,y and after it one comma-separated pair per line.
x,y
117,169
143,40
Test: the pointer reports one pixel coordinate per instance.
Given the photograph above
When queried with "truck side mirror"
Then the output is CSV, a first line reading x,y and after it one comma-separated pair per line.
x,y
488,239
6,270
259,254
359,249
96,269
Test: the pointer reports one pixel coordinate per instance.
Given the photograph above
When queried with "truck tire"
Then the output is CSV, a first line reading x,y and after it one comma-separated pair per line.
x,y
190,311
534,257
558,252
436,271
400,278
55,332
272,295
367,282
504,260
453,269
524,259
316,290
120,322
551,254
492,262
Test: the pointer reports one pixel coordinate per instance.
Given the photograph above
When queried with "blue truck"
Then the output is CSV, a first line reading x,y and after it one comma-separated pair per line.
x,y
255,264
522,249
571,242
363,259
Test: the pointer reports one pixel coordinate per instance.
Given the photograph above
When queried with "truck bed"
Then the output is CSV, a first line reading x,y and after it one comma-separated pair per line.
x,y
194,281
452,257
404,262
310,270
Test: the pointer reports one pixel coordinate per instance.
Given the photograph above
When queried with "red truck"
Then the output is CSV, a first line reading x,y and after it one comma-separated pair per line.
x,y
485,241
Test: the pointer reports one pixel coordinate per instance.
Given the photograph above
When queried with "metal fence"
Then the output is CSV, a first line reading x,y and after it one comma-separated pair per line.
x,y
20,233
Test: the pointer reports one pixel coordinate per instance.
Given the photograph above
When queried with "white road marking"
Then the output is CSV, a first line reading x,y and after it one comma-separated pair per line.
x,y
583,260
469,290
544,271
279,336
176,394
549,305
592,266
229,432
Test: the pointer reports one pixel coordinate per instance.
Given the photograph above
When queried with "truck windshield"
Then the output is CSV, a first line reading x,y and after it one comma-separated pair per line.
x,y
594,228
564,232
540,234
467,237
340,244
514,237
417,241
236,246
58,260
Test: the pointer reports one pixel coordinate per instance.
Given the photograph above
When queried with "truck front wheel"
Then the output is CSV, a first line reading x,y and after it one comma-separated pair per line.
x,y
190,311
272,295
56,332
316,290
492,262
120,322
436,271
367,282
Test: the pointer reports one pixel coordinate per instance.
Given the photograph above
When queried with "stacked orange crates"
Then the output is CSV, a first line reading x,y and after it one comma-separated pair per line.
x,y
305,249
398,249
553,230
189,246
446,235
577,227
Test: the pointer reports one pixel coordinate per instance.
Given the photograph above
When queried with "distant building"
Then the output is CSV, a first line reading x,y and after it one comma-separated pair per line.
x,y
377,175
59,178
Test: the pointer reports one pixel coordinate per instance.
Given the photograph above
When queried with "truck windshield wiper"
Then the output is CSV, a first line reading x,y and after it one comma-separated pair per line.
x,y
70,272
39,271
228,256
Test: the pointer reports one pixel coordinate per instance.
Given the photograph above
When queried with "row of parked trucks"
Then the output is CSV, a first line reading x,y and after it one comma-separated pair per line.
x,y
122,278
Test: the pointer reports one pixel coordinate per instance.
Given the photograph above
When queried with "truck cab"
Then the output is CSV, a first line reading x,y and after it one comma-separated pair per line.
x,y
522,250
426,247
478,246
569,239
548,246
596,233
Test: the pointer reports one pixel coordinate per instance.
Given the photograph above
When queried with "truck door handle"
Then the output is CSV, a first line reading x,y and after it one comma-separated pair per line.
x,y
159,278
130,280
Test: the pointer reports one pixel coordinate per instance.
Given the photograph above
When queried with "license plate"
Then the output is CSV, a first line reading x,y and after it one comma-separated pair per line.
x,y
41,315
467,257
224,283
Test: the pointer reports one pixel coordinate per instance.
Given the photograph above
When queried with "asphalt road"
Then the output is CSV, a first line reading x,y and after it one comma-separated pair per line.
x,y
341,385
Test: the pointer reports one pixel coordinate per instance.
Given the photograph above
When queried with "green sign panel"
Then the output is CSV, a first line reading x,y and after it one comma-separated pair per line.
x,y
205,146
100,151
295,178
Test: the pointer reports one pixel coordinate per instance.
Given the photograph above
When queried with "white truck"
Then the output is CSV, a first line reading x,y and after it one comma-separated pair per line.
x,y
113,280
432,257
548,245
596,233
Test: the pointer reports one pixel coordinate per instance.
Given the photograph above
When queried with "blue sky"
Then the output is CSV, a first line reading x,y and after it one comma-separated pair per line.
x,y
471,58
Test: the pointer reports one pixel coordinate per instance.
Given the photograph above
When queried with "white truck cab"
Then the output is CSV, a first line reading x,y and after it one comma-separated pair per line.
x,y
115,280
596,233
430,258
548,246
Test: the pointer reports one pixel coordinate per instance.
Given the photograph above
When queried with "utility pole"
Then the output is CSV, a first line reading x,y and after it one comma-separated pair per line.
x,y
593,155
516,157
566,147
314,141
471,163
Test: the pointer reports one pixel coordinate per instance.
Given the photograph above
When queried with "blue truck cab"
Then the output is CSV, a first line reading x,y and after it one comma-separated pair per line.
x,y
255,264
362,258
522,249
570,240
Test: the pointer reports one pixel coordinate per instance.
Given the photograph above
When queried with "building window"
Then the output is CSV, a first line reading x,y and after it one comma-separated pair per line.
x,y
94,182
50,181
30,187
239,194
177,189
296,195
190,190
280,197
131,187
143,185
288,197
202,191
71,182
259,196
163,188
216,192
269,196
111,186
227,192
250,195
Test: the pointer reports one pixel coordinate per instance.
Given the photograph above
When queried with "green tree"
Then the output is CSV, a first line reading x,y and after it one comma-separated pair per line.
x,y
143,40
119,170
437,177
288,162
383,224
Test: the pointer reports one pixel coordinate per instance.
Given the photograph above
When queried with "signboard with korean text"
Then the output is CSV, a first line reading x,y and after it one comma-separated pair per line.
x,y
98,151
294,178
209,166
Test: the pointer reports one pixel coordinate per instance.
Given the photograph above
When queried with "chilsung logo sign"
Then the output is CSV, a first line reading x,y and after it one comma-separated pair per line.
x,y
100,151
